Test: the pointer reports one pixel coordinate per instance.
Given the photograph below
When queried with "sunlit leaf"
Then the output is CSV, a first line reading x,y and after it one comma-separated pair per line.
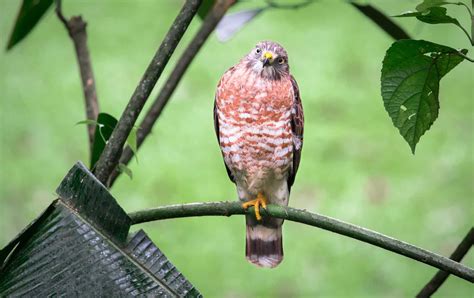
x,y
105,125
29,15
124,169
232,23
411,72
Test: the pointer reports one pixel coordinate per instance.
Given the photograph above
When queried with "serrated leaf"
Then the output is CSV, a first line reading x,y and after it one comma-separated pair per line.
x,y
433,15
232,23
80,244
105,125
411,72
124,169
205,7
87,121
29,15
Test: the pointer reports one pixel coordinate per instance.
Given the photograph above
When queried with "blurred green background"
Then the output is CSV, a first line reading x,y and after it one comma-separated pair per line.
x,y
355,166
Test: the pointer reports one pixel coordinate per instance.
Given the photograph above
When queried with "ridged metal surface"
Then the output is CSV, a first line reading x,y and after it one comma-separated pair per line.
x,y
69,251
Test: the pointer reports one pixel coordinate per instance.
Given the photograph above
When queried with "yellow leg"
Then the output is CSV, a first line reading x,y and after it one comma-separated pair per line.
x,y
259,201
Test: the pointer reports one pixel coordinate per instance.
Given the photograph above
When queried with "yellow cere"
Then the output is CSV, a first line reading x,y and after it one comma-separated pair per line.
x,y
268,55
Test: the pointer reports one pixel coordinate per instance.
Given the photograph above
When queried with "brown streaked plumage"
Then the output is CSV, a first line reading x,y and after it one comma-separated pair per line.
x,y
258,119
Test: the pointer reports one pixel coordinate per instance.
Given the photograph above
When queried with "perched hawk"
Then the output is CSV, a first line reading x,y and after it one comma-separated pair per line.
x,y
258,119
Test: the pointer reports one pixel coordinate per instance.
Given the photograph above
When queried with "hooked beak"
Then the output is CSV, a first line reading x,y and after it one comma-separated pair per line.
x,y
267,58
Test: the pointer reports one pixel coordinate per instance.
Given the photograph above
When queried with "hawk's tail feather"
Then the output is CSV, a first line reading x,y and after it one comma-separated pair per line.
x,y
264,246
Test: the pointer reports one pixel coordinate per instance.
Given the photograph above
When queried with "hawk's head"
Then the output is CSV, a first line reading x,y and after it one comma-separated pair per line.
x,y
269,59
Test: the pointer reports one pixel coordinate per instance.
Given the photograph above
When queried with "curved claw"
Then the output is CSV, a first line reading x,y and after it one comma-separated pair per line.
x,y
261,200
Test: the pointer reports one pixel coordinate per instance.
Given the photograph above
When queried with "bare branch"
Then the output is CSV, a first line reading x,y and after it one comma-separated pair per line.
x,y
384,22
209,24
113,150
312,219
442,275
76,27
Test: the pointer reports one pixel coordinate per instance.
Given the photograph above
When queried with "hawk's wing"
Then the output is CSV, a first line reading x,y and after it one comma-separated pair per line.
x,y
297,124
216,128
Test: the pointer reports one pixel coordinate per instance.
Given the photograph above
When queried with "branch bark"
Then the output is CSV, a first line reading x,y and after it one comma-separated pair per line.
x,y
441,276
385,23
76,28
312,219
208,25
113,150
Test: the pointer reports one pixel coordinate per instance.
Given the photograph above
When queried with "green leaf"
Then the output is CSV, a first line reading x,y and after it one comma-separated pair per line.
x,y
124,169
205,7
81,244
105,125
426,4
29,15
132,141
87,121
433,15
411,72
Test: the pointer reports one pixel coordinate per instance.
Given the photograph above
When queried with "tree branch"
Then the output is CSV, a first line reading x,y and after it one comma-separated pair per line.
x,y
208,25
385,23
312,219
441,276
113,150
76,27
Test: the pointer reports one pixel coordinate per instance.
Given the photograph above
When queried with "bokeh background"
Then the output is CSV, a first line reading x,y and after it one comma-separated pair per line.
x,y
355,166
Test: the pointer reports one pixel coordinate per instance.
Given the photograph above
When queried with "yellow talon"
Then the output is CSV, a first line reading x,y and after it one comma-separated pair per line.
x,y
259,201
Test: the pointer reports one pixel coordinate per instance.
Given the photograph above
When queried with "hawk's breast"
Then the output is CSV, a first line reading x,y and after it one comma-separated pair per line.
x,y
254,125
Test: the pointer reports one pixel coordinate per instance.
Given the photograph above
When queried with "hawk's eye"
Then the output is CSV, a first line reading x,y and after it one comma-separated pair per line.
x,y
281,60
258,51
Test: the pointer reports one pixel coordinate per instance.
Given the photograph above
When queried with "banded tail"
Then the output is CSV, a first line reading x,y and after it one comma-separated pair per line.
x,y
264,246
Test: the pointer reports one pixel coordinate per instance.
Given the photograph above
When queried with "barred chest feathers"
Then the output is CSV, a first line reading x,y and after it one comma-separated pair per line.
x,y
255,125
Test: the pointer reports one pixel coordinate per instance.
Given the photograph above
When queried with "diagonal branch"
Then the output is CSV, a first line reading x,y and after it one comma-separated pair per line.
x,y
113,150
209,24
384,22
441,276
76,27
312,219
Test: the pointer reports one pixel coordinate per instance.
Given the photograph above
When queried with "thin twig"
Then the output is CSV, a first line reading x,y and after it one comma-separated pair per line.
x,y
441,275
76,28
382,21
312,219
208,25
113,150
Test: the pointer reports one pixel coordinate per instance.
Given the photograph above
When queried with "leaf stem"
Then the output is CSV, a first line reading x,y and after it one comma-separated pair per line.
x,y
467,33
465,5
312,219
464,56
472,21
